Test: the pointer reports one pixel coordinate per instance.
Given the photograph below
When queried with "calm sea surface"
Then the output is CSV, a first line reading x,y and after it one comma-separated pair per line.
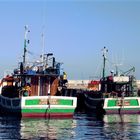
x,y
81,127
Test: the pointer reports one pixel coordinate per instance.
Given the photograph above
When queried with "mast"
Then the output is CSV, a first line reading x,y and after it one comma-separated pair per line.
x,y
116,67
104,60
43,52
43,47
25,44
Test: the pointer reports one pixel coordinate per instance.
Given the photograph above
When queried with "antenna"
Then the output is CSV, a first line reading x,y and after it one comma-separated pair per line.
x,y
43,56
43,46
117,64
25,44
104,50
116,67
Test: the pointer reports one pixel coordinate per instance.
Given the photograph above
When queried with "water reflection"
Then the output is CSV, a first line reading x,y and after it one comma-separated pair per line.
x,y
122,118
50,129
89,127
10,128
122,127
81,127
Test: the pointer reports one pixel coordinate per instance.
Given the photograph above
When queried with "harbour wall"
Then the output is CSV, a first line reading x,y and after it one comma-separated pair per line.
x,y
82,84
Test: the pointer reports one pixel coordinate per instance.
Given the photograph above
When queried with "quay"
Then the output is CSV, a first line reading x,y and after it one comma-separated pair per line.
x,y
83,84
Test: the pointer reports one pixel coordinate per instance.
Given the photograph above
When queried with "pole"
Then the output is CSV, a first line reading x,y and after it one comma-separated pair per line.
x,y
25,44
104,61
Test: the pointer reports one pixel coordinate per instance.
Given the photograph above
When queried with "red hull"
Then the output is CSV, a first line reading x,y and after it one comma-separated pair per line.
x,y
42,115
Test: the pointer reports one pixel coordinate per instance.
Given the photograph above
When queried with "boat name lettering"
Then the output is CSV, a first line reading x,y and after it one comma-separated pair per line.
x,y
123,103
48,101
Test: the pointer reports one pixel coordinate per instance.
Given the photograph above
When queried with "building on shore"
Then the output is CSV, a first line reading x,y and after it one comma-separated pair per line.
x,y
83,84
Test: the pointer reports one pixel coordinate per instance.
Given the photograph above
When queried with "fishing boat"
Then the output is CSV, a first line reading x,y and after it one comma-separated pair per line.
x,y
35,90
118,93
121,95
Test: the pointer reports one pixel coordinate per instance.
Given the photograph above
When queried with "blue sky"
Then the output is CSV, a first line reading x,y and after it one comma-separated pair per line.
x,y
75,31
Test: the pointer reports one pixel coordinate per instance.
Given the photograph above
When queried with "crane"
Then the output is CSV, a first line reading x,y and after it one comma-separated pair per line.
x,y
128,71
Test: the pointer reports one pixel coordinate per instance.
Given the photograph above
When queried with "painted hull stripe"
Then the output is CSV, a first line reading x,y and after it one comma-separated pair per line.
x,y
123,112
47,110
47,115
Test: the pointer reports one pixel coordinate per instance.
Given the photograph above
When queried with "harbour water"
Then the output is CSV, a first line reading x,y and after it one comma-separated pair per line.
x,y
81,127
